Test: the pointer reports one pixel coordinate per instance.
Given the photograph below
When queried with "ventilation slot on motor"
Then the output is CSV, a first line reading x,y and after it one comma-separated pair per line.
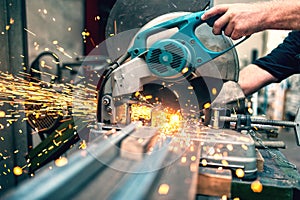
x,y
155,63
177,54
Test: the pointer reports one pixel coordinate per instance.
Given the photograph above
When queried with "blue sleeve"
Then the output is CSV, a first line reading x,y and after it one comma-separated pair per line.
x,y
284,60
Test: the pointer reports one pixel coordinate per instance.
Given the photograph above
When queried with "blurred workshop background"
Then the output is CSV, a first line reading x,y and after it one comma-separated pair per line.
x,y
71,29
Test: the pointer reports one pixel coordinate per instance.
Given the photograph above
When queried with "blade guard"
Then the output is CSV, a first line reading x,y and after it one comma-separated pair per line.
x,y
186,32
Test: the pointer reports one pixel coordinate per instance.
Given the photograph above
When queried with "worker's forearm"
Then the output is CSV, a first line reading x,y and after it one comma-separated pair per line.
x,y
252,78
283,14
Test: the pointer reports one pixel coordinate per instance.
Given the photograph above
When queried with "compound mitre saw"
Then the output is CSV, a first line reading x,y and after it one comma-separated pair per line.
x,y
165,57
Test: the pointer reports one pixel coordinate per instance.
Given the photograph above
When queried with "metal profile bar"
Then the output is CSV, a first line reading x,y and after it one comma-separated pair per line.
x,y
63,182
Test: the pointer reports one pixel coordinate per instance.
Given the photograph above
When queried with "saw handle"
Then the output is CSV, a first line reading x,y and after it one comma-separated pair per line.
x,y
186,25
211,21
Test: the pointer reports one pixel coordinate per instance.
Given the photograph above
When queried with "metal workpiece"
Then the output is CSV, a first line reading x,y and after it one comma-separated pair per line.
x,y
168,173
142,179
101,171
81,167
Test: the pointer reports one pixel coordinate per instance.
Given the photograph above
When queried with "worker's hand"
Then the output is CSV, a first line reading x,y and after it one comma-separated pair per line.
x,y
237,20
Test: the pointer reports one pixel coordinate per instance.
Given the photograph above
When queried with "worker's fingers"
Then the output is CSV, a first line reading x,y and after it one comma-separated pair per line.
x,y
235,35
239,30
229,29
217,10
220,24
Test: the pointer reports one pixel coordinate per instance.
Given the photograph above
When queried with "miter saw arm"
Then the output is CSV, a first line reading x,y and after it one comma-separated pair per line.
x,y
182,52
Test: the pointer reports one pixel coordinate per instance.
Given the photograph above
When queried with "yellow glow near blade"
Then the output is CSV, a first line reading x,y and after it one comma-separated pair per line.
x,y
60,162
2,113
207,105
184,70
256,186
17,171
240,173
163,189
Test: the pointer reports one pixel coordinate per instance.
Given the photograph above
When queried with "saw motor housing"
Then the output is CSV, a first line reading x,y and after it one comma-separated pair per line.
x,y
169,59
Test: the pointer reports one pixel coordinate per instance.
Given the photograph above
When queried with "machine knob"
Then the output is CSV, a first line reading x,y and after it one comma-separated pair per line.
x,y
105,101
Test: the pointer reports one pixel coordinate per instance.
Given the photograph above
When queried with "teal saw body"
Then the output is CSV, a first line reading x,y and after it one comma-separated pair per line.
x,y
182,53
